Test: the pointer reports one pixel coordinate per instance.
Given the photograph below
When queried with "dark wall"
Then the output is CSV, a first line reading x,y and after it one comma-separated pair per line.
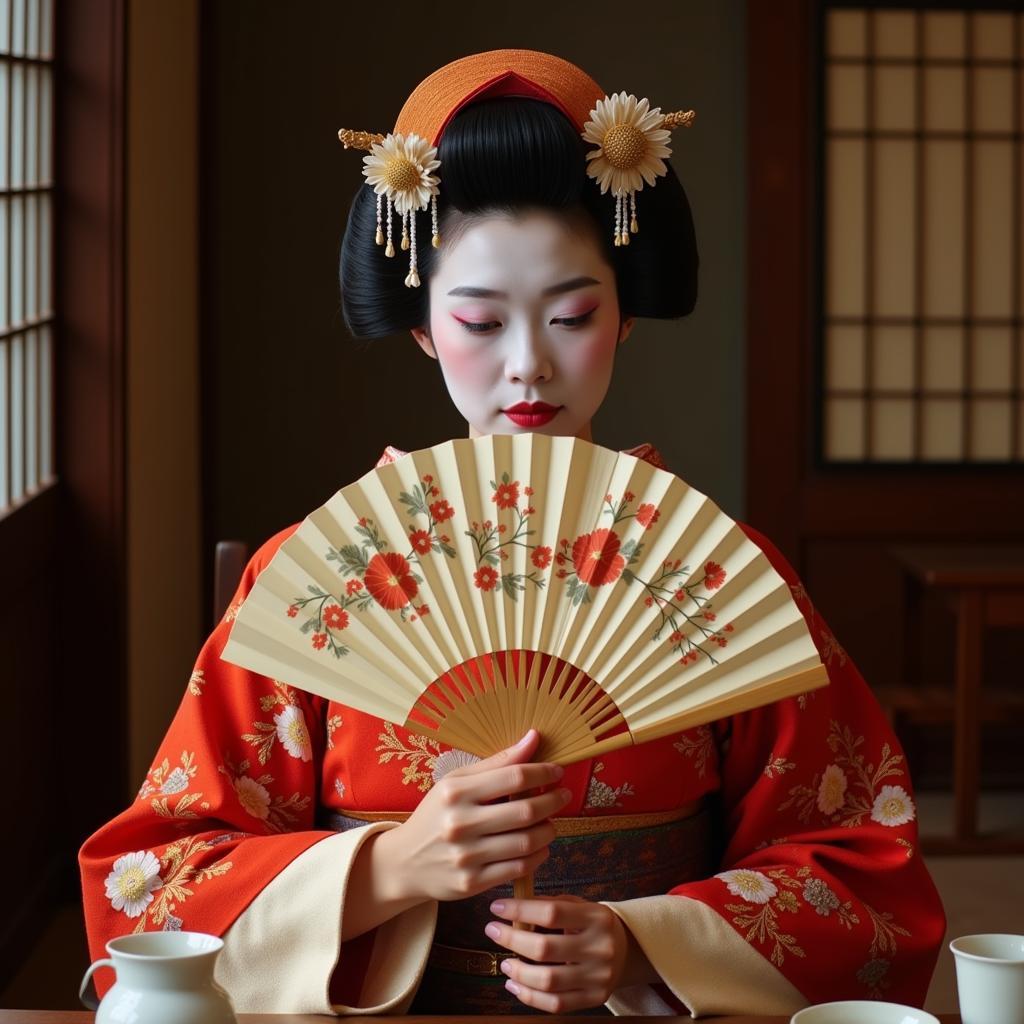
x,y
293,408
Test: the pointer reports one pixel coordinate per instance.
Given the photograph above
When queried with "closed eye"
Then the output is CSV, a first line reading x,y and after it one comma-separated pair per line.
x,y
475,327
574,321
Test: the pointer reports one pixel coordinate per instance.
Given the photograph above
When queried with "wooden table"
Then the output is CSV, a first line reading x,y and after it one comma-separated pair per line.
x,y
983,585
76,1017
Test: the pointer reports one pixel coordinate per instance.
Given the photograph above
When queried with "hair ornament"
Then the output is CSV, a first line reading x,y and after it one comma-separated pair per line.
x,y
631,138
398,169
632,143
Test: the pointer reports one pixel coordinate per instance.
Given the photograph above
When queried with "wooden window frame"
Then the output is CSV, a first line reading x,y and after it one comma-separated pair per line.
x,y
791,494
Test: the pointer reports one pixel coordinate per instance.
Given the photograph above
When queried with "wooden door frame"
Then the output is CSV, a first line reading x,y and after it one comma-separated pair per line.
x,y
90,304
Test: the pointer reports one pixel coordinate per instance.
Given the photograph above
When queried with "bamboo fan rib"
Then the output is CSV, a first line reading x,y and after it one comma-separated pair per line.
x,y
474,589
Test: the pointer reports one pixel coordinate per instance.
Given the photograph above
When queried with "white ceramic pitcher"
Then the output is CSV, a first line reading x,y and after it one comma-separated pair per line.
x,y
162,978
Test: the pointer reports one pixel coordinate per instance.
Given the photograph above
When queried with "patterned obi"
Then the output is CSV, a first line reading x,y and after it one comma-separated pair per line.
x,y
602,857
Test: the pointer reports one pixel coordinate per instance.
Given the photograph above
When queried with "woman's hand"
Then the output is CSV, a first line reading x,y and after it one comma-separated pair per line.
x,y
456,844
582,967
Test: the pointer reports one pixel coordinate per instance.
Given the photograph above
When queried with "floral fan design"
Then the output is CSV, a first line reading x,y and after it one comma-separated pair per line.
x,y
474,589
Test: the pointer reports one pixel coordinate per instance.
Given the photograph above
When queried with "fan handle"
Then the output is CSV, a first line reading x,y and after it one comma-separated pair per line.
x,y
522,889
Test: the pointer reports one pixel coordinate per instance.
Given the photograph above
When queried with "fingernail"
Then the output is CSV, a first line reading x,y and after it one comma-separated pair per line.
x,y
504,967
526,738
565,794
497,907
493,931
558,771
512,987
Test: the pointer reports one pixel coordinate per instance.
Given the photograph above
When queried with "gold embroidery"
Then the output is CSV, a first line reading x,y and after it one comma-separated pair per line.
x,y
278,813
825,902
334,722
778,766
196,683
600,794
760,916
884,942
831,791
421,759
177,874
700,747
830,648
167,782
873,975
265,733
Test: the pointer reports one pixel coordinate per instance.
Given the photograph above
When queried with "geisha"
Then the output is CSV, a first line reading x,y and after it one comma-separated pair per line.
x,y
759,864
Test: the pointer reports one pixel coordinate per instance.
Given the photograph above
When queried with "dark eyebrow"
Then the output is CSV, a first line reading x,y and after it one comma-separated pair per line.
x,y
555,289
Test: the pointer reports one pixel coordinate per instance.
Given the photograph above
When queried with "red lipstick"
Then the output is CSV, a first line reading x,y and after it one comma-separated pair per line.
x,y
531,414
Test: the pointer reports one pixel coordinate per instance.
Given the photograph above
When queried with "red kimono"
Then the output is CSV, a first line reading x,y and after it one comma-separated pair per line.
x,y
821,893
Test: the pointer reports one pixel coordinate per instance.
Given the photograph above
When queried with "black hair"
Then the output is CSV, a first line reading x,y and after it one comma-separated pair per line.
x,y
508,155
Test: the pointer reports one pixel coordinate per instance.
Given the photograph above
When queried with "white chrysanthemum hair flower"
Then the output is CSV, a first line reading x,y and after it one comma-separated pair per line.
x,y
631,144
292,732
749,885
399,167
892,807
450,760
131,883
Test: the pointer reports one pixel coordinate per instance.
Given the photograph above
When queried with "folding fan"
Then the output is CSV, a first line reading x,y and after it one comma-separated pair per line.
x,y
477,588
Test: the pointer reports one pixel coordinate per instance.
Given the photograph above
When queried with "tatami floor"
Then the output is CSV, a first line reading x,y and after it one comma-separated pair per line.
x,y
981,894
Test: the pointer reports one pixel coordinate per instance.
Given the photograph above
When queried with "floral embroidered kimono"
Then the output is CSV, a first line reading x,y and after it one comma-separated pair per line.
x,y
816,890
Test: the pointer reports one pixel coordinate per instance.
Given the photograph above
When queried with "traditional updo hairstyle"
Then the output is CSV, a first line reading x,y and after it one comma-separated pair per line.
x,y
506,156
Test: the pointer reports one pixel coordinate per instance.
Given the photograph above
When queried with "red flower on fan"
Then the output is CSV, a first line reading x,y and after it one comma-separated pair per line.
x,y
714,576
647,515
353,587
420,540
293,610
319,641
485,578
541,557
389,581
596,558
335,617
506,495
441,510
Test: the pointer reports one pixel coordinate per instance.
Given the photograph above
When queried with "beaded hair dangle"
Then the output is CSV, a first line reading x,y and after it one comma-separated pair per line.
x,y
632,144
398,168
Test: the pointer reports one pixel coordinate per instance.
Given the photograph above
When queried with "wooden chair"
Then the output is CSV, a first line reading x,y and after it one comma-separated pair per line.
x,y
229,563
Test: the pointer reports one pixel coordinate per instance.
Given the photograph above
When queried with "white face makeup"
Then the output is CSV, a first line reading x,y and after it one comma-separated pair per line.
x,y
524,311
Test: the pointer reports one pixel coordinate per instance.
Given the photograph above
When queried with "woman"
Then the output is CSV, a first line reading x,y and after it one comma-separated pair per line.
x,y
756,865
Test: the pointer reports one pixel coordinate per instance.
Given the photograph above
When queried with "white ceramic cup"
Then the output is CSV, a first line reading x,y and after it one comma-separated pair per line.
x,y
862,1011
162,978
990,978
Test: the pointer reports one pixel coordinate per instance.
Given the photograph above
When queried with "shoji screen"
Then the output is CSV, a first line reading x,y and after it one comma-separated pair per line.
x,y
26,252
921,345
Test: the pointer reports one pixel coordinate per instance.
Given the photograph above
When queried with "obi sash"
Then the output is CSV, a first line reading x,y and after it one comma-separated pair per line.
x,y
602,857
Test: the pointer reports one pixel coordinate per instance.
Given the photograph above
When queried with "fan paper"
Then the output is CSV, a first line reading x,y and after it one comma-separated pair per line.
x,y
485,585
